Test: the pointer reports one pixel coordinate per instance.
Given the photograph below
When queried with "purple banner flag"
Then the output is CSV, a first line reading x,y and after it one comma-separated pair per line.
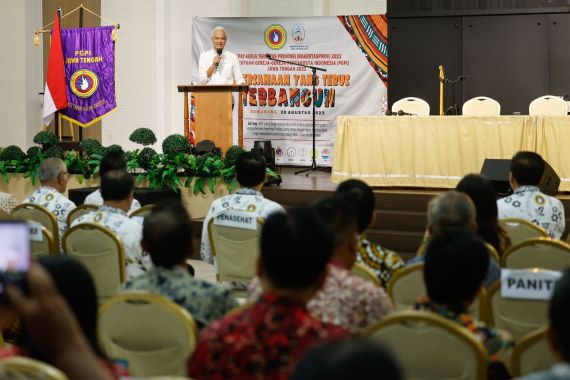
x,y
89,59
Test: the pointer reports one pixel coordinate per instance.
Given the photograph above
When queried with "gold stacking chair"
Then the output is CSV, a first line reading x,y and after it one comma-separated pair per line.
x,y
37,213
541,252
520,229
80,211
22,368
362,271
532,354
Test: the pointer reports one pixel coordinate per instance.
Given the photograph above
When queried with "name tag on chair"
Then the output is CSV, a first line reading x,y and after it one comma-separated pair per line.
x,y
529,284
35,231
236,219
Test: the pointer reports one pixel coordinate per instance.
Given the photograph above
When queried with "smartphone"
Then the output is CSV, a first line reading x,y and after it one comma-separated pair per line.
x,y
15,254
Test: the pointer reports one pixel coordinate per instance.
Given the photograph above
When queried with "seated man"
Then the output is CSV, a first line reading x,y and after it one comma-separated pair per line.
x,y
117,192
454,210
558,332
250,174
110,161
167,237
53,177
344,300
267,339
454,268
527,202
360,197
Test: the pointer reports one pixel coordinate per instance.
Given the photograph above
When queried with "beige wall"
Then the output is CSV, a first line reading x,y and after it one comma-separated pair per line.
x,y
20,72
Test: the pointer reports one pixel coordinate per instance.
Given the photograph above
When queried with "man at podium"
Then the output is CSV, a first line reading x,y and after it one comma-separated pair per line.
x,y
217,66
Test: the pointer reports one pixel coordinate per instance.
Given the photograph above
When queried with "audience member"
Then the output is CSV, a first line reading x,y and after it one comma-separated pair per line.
x,y
7,202
454,210
381,261
454,269
558,332
53,329
114,160
359,359
117,192
527,202
482,193
167,237
267,339
344,300
250,174
53,177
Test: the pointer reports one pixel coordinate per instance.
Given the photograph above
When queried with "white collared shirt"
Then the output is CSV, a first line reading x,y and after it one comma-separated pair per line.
x,y
130,233
244,199
96,199
227,71
55,202
528,203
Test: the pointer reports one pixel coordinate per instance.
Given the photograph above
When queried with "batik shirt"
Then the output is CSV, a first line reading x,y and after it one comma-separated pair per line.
x,y
527,202
7,202
204,300
264,341
497,343
560,371
130,233
244,200
344,300
54,201
383,262
96,199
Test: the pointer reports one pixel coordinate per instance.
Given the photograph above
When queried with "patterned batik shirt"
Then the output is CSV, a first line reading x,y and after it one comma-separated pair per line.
x,y
244,200
54,201
96,199
7,202
527,202
498,343
381,261
264,341
130,233
344,300
204,300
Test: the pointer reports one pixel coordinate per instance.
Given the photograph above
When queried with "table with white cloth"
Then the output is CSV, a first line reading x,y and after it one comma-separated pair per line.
x,y
437,151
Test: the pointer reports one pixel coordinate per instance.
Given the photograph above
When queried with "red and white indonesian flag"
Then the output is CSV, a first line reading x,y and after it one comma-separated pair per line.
x,y
55,93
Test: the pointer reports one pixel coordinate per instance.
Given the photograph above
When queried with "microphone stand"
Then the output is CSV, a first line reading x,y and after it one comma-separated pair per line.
x,y
454,108
314,69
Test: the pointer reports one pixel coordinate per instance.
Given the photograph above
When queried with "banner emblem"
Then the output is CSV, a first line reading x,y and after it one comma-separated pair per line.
x,y
84,83
275,36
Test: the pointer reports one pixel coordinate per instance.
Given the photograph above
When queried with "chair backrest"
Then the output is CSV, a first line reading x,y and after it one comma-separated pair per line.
x,y
541,252
517,316
405,286
366,273
415,106
31,211
44,247
80,211
532,354
428,346
18,368
481,106
548,105
153,334
493,253
236,250
142,212
520,229
102,253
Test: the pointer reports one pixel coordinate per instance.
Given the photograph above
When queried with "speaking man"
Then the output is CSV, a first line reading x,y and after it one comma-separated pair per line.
x,y
218,66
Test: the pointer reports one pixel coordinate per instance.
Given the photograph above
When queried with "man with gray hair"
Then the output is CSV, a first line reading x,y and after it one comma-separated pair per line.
x,y
451,211
53,177
217,66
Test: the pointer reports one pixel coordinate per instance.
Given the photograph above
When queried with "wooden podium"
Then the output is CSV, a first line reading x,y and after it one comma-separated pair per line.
x,y
213,113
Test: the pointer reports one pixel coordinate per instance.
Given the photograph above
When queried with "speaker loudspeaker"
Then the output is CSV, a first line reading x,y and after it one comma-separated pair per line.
x,y
497,171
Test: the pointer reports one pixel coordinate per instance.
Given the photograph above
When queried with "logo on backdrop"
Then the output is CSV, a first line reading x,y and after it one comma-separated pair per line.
x,y
275,36
325,153
303,152
298,34
84,83
291,152
278,152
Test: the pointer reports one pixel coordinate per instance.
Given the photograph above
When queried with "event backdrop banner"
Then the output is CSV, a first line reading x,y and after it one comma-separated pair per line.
x,y
352,49
89,60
